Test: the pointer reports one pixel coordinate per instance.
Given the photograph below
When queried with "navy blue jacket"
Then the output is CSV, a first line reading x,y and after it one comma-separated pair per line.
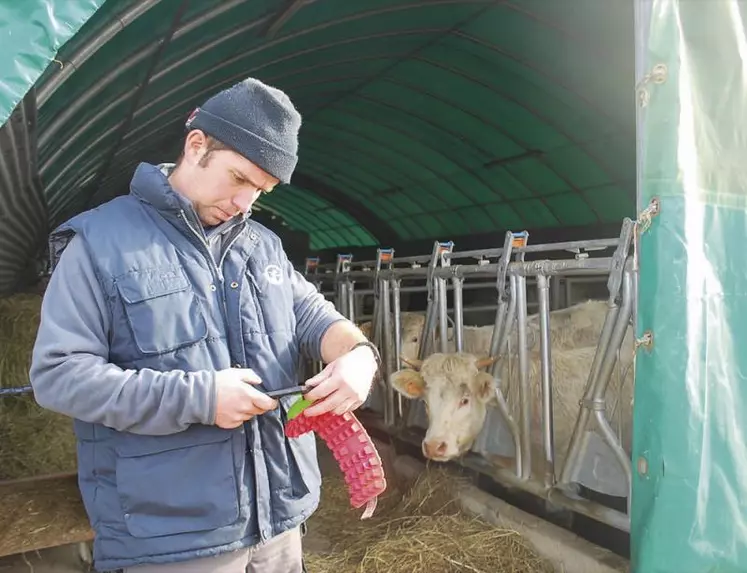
x,y
140,312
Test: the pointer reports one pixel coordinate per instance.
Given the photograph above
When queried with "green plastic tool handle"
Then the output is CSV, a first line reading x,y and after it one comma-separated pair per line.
x,y
298,406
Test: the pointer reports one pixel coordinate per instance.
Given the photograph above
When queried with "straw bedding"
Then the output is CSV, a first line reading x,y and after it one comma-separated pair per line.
x,y
33,441
417,529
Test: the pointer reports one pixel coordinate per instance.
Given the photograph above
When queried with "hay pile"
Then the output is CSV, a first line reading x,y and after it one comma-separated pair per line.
x,y
420,530
33,441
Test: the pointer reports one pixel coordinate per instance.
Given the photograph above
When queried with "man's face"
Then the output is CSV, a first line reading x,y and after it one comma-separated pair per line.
x,y
221,183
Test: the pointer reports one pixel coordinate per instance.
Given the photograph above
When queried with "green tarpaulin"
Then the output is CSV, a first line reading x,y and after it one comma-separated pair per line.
x,y
690,430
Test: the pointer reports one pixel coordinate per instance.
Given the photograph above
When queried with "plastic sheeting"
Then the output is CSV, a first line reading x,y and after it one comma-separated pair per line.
x,y
31,33
690,444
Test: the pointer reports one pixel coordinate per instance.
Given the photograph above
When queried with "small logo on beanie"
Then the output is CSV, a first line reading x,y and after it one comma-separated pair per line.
x,y
192,116
273,274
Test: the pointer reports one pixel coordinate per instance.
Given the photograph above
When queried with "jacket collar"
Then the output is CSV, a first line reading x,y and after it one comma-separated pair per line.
x,y
150,184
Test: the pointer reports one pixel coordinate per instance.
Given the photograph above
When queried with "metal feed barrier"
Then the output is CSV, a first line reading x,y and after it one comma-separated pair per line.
x,y
595,457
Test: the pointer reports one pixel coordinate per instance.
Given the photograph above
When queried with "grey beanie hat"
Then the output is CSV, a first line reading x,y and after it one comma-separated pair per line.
x,y
256,120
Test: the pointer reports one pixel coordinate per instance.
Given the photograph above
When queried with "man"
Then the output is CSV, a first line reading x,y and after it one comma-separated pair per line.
x,y
167,316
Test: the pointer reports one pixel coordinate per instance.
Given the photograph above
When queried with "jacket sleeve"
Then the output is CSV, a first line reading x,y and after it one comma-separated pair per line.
x,y
71,374
314,314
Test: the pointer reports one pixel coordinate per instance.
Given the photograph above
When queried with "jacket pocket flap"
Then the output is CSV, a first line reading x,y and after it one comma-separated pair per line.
x,y
135,445
142,285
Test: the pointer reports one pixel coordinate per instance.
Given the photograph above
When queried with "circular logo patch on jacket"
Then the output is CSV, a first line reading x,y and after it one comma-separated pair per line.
x,y
273,274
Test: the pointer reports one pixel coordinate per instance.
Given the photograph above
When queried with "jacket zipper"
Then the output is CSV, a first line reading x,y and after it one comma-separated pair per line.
x,y
216,268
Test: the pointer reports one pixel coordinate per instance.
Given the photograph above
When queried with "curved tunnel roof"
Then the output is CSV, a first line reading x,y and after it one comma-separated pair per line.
x,y
421,119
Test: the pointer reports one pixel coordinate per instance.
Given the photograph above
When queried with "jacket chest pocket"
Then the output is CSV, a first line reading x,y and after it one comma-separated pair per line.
x,y
273,296
162,309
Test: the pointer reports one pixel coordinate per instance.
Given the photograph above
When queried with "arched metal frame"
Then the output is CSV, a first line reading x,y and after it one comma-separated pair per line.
x,y
77,132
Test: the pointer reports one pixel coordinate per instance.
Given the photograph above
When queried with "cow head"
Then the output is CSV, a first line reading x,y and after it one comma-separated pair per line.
x,y
411,328
456,394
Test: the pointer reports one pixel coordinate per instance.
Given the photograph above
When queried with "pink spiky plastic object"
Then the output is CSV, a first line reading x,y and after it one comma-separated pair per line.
x,y
351,446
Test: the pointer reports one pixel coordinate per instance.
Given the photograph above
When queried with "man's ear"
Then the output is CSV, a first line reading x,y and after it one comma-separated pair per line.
x,y
409,383
484,387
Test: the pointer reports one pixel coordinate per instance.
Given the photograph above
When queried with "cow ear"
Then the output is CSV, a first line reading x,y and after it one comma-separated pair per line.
x,y
484,386
409,383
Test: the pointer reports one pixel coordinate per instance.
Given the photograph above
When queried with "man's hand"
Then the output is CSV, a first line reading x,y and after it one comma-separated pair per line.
x,y
344,384
237,400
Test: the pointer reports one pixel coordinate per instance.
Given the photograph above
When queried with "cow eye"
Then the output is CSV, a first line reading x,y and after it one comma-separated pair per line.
x,y
464,401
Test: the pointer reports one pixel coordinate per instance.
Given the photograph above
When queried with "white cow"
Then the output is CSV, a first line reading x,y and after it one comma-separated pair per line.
x,y
457,394
411,326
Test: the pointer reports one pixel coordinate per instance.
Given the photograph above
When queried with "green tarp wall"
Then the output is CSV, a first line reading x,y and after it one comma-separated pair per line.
x,y
689,448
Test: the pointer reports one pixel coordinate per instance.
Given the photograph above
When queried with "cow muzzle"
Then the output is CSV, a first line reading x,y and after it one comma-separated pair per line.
x,y
435,449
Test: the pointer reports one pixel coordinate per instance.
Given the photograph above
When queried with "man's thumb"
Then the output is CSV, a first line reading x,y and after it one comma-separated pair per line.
x,y
248,375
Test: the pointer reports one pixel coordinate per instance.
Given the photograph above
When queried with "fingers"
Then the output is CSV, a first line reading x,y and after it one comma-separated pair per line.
x,y
262,402
336,403
254,402
323,375
323,389
322,406
228,424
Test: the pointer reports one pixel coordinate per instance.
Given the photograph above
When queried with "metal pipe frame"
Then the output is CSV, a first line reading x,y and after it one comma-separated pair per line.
x,y
424,288
514,306
610,341
505,316
598,402
351,301
457,284
428,327
525,413
570,467
555,292
601,371
396,313
543,294
389,417
565,267
586,279
541,248
466,310
342,298
16,391
443,321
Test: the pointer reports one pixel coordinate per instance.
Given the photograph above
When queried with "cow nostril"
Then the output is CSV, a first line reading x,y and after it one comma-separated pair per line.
x,y
434,449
